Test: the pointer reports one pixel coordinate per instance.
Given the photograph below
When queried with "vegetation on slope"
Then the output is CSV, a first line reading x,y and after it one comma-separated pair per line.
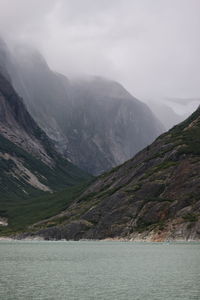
x,y
31,170
155,195
22,213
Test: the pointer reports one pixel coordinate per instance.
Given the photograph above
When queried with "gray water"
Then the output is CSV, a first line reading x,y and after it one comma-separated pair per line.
x,y
99,270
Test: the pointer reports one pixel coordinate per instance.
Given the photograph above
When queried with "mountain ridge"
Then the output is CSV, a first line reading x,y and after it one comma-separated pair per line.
x,y
154,196
29,163
95,123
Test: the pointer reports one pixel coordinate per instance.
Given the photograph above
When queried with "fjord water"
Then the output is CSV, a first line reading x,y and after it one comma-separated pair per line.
x,y
99,270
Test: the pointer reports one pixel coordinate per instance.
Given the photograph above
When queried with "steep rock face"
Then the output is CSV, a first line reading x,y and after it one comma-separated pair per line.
x,y
108,123
96,123
16,124
154,196
29,163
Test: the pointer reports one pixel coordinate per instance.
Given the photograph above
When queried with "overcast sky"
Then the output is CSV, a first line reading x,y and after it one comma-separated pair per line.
x,y
151,46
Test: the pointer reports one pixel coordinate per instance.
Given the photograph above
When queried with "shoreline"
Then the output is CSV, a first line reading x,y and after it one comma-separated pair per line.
x,y
39,239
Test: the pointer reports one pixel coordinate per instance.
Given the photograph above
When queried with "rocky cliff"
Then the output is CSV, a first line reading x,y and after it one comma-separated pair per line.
x,y
154,196
29,162
95,123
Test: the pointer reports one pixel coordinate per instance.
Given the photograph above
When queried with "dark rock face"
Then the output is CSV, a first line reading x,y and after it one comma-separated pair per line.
x,y
16,123
154,196
95,123
29,162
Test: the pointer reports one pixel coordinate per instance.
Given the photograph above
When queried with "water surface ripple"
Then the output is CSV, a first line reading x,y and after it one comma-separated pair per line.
x,y
99,270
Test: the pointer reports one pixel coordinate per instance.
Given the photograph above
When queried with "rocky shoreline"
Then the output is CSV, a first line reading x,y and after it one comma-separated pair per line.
x,y
136,240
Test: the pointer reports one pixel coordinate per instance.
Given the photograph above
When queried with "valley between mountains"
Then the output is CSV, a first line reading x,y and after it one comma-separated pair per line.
x,y
85,159
155,196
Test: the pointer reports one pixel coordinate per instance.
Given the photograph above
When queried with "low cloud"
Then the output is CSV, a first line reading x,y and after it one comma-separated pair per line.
x,y
151,46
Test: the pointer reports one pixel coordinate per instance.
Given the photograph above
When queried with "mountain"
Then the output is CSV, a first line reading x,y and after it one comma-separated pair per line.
x,y
154,196
95,123
167,116
30,165
24,144
166,109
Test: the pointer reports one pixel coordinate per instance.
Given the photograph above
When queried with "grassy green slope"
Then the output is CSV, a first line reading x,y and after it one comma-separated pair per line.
x,y
23,204
31,170
162,177
23,213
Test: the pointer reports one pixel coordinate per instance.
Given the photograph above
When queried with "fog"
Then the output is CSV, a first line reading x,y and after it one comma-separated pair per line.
x,y
150,46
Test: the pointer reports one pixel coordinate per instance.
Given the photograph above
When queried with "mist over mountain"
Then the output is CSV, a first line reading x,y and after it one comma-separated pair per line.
x,y
166,114
171,111
67,79
94,122
99,149
151,47
29,161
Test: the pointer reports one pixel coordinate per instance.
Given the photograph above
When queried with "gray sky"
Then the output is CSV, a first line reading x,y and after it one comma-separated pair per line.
x,y
151,46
